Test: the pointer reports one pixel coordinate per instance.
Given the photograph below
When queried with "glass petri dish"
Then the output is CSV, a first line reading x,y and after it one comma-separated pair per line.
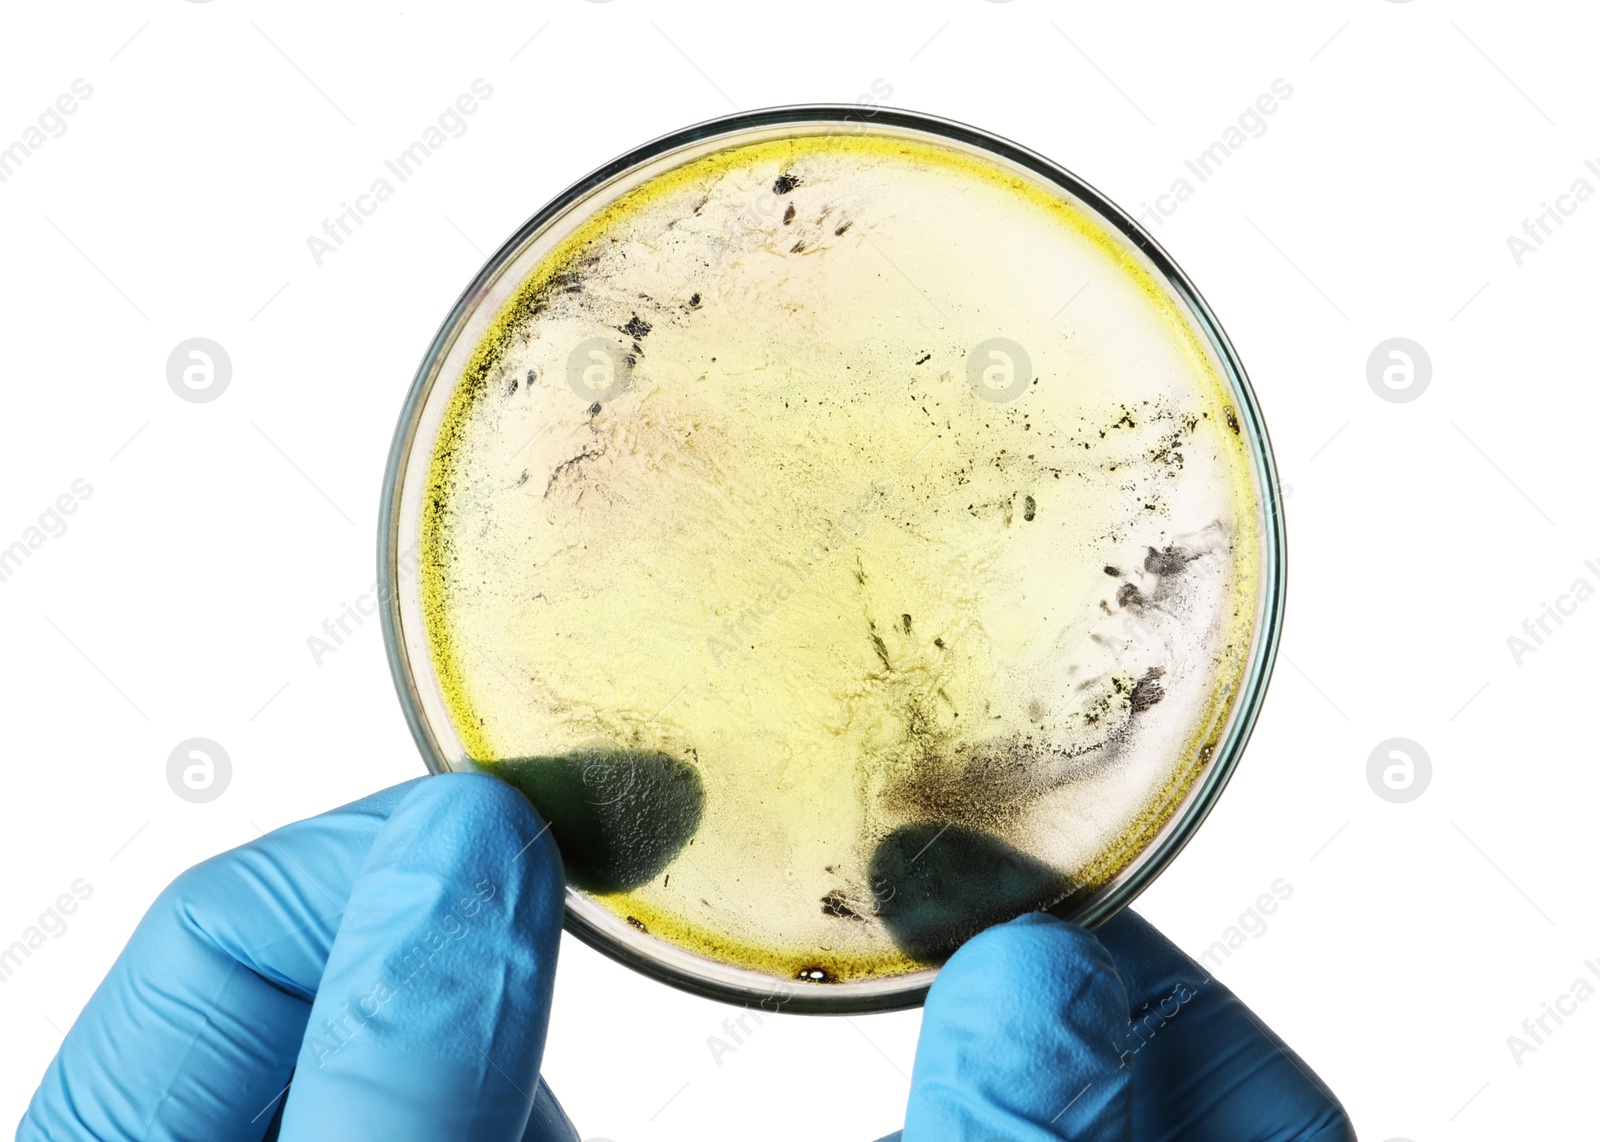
x,y
850,529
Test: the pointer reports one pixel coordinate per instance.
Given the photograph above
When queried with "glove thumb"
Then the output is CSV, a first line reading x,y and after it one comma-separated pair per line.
x,y
1024,1037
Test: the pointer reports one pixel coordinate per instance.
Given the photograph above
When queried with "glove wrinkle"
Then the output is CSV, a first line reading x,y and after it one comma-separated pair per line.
x,y
1212,1072
195,1031
1022,1040
434,1002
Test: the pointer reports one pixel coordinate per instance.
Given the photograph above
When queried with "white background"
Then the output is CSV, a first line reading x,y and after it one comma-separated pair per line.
x,y
219,536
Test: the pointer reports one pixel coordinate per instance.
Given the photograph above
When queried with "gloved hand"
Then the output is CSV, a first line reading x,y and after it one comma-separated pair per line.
x,y
394,956
1026,1038
395,959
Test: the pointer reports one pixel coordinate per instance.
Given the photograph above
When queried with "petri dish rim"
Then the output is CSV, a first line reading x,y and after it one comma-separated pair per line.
x,y
699,975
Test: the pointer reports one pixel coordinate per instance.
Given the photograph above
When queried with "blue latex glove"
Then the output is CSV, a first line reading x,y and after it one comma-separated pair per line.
x,y
1026,1038
394,957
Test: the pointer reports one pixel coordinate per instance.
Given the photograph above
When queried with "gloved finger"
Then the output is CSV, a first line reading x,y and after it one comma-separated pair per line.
x,y
194,1031
1023,1035
1206,1069
429,1021
548,1122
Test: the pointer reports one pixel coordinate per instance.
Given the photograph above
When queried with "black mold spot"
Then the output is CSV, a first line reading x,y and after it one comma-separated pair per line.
x,y
636,328
574,465
1147,691
883,651
788,215
785,183
1169,561
834,905
567,281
